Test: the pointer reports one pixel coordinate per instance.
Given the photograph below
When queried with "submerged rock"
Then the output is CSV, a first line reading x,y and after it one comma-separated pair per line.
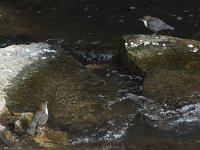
x,y
170,66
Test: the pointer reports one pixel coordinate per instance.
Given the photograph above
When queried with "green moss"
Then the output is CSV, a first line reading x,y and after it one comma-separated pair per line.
x,y
22,123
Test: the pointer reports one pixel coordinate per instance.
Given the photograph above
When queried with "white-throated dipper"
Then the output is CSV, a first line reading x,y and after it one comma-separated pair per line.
x,y
39,118
155,24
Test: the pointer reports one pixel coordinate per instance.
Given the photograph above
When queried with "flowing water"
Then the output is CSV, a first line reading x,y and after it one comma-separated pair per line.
x,y
91,97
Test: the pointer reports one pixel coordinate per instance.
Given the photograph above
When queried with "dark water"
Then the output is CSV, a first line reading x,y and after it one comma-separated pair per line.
x,y
104,108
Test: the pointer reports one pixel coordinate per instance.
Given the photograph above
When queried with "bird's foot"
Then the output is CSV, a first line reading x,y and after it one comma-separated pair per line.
x,y
40,130
155,35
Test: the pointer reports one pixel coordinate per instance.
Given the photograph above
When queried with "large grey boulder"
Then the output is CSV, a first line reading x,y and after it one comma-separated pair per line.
x,y
14,58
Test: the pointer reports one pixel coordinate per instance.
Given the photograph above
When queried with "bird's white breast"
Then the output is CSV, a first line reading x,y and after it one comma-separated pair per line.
x,y
145,23
46,110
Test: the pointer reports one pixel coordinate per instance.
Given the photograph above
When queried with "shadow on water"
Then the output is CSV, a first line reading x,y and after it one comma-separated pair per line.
x,y
96,102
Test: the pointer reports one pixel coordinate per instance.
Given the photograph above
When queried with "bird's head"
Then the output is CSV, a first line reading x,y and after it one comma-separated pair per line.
x,y
145,19
43,107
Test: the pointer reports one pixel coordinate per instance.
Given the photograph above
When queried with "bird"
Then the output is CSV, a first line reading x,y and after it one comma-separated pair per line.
x,y
155,24
39,118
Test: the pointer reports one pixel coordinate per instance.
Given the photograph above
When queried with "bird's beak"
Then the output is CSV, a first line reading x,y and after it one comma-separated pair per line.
x,y
140,19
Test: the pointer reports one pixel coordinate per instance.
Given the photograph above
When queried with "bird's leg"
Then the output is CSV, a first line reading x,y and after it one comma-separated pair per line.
x,y
154,34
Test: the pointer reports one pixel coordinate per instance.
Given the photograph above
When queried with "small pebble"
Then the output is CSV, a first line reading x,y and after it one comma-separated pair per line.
x,y
163,44
185,11
132,7
179,18
191,15
190,46
195,50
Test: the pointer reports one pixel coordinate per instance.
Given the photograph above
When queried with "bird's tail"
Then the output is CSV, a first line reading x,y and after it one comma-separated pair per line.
x,y
170,27
31,128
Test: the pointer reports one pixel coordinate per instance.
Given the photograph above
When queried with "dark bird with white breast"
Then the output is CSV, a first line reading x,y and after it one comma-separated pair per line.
x,y
155,24
39,118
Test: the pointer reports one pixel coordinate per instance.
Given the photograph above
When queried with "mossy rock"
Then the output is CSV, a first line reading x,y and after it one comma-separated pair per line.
x,y
22,123
170,66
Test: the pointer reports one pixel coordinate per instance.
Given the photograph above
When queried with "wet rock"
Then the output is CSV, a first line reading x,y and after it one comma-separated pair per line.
x,y
6,136
49,138
170,66
3,107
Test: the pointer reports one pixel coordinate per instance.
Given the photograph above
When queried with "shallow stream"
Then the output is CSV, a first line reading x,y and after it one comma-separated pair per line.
x,y
91,97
